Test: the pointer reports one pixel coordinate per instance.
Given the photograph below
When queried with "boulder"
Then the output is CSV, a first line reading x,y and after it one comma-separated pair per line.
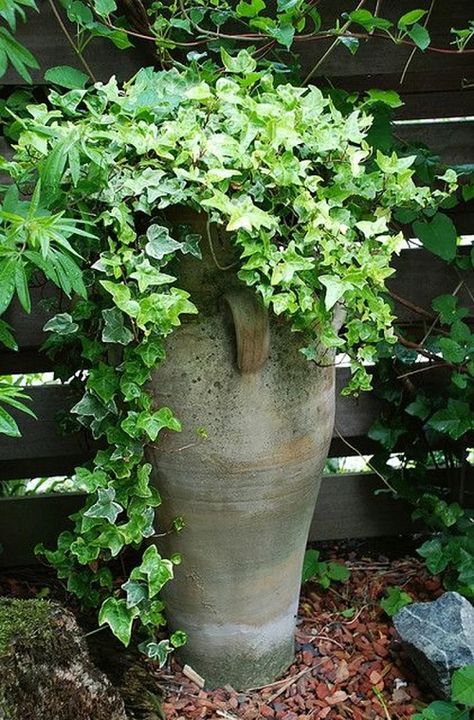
x,y
439,637
45,669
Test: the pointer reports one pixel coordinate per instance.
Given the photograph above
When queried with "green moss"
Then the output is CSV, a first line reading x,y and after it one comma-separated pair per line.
x,y
24,621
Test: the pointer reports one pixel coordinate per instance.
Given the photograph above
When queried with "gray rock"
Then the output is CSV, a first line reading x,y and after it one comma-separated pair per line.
x,y
439,637
45,669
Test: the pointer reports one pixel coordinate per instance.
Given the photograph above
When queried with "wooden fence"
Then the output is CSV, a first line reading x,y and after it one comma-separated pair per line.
x,y
438,91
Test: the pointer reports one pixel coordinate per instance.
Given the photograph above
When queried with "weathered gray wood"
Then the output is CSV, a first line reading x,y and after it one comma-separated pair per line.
x,y
377,58
453,142
420,277
411,265
43,451
27,521
347,508
437,103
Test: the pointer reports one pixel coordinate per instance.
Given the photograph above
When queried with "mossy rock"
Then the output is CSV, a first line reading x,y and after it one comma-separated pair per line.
x,y
45,669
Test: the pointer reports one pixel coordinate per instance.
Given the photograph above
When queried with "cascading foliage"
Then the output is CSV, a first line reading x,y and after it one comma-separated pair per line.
x,y
308,203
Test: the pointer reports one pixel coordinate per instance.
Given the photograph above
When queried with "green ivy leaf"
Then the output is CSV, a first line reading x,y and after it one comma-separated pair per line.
x,y
420,36
454,420
66,76
242,63
63,324
462,686
387,97
157,570
156,651
452,352
410,18
310,565
103,381
114,330
178,639
160,243
436,558
447,307
105,7
118,617
438,236
419,408
441,710
249,9
395,600
105,507
335,289
338,571
136,592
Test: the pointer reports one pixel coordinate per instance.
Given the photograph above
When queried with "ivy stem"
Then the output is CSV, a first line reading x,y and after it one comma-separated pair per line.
x,y
431,328
211,247
412,54
411,306
369,465
331,48
70,39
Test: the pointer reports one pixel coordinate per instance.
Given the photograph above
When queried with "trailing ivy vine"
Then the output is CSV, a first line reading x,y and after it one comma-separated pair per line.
x,y
308,204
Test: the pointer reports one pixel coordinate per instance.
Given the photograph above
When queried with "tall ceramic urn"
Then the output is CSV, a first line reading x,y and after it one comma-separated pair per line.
x,y
244,474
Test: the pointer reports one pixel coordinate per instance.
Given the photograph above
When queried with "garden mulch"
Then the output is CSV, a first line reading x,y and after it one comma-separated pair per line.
x,y
349,663
346,668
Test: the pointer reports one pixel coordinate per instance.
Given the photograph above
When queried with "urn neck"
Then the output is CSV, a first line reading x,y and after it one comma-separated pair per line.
x,y
206,279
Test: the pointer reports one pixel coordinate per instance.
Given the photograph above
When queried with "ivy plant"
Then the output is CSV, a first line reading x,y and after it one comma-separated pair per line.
x,y
461,703
308,204
179,32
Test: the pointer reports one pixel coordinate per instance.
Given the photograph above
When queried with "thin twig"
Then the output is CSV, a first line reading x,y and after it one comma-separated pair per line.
x,y
412,54
432,326
423,369
331,48
312,638
211,247
289,683
411,306
369,465
70,39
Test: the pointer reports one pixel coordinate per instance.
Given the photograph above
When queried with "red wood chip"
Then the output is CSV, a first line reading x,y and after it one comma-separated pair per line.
x,y
338,697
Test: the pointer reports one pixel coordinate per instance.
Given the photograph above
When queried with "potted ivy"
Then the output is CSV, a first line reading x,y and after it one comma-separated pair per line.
x,y
214,235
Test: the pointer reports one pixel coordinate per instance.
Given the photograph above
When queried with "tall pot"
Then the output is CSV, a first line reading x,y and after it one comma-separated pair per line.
x,y
246,490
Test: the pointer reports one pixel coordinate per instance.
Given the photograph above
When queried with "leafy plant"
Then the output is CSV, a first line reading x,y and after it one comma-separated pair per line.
x,y
462,699
307,201
322,572
12,396
395,599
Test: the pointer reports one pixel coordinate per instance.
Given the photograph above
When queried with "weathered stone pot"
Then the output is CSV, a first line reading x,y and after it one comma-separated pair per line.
x,y
247,490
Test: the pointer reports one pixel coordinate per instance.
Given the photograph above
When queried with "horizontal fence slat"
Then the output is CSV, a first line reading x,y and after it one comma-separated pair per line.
x,y
453,142
43,451
346,508
437,278
27,521
377,58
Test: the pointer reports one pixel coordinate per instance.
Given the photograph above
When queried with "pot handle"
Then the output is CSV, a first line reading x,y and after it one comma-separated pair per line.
x,y
252,332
